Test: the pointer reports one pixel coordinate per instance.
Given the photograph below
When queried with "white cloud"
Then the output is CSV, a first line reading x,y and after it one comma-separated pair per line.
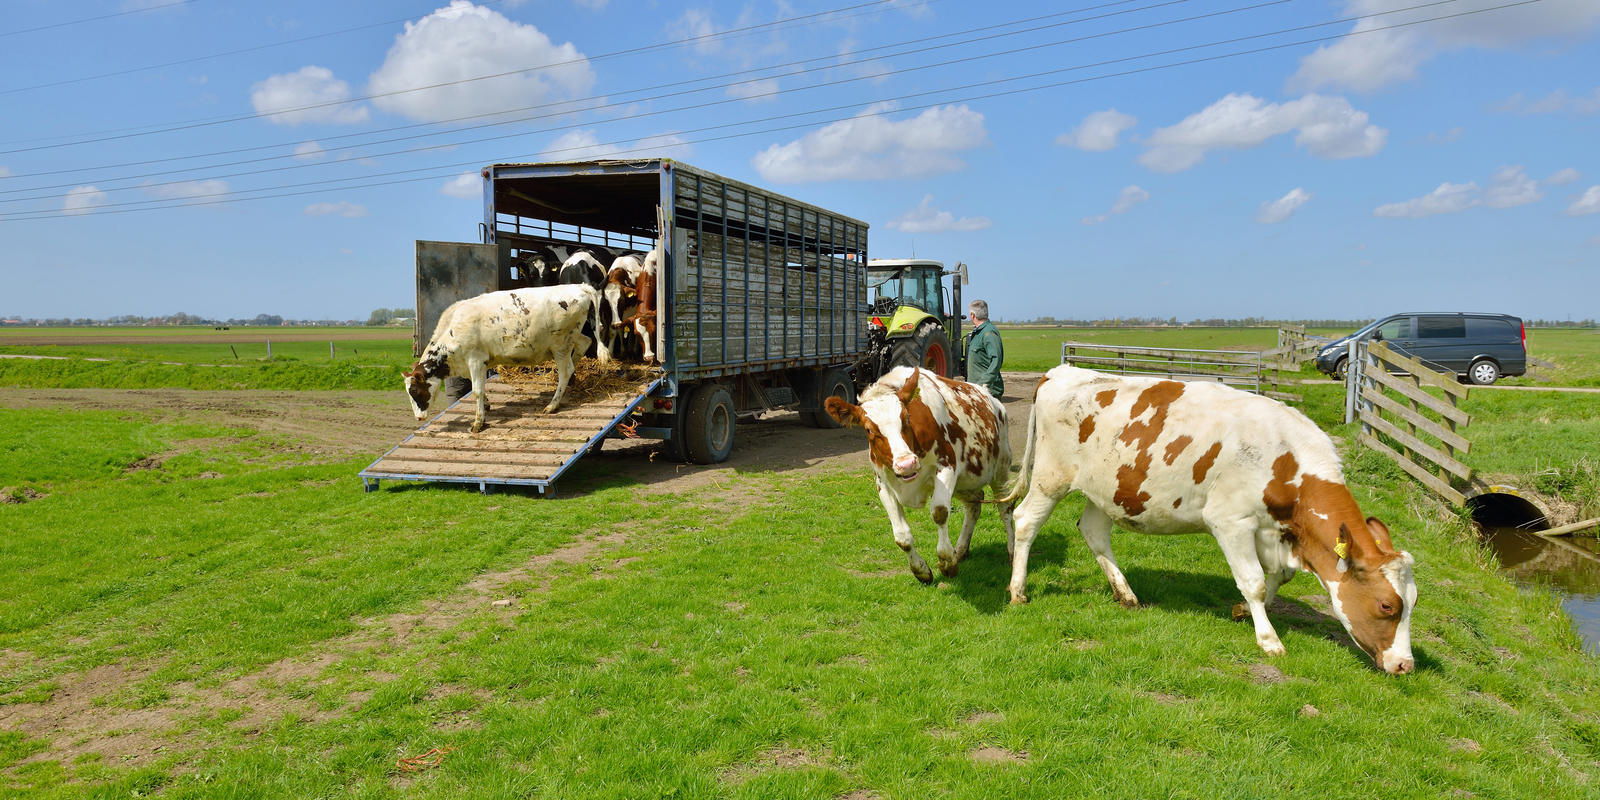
x,y
1449,198
1553,103
873,147
696,24
5,173
464,41
1275,211
927,219
186,190
1589,203
467,186
308,86
1130,197
343,208
1562,178
1378,58
82,200
762,91
1098,131
584,145
1328,127
1511,187
308,151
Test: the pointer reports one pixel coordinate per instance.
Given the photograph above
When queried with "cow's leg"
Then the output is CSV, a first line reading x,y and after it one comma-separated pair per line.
x,y
902,533
564,369
1237,540
1032,513
479,370
998,489
972,506
1096,529
944,493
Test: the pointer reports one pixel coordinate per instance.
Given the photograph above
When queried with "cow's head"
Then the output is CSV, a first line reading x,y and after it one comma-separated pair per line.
x,y
422,390
901,430
1369,582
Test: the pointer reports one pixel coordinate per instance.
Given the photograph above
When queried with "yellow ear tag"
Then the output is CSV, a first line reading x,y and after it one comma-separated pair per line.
x,y
1342,549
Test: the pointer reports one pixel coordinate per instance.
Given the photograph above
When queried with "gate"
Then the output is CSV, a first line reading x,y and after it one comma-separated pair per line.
x,y
1423,432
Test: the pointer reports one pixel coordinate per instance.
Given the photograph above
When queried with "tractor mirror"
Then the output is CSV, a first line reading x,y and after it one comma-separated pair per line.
x,y
961,269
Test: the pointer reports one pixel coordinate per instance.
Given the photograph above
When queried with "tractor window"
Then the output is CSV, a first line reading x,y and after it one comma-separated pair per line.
x,y
929,297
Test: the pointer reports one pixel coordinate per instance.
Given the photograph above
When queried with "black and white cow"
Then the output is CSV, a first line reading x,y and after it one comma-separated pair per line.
x,y
520,327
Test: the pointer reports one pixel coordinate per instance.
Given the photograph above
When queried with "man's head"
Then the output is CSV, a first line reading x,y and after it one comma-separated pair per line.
x,y
978,310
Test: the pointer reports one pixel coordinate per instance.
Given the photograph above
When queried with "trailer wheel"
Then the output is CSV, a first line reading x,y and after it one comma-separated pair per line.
x,y
928,349
835,382
708,425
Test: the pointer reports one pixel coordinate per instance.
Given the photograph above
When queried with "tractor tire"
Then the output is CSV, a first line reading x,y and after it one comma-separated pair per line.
x,y
929,349
835,382
708,425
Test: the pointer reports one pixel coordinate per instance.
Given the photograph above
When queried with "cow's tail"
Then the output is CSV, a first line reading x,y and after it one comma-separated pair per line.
x,y
1019,486
601,351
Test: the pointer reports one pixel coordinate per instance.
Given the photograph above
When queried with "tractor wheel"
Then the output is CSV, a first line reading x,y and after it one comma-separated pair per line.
x,y
929,349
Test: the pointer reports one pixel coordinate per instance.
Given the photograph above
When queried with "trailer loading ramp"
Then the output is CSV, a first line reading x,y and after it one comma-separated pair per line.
x,y
522,445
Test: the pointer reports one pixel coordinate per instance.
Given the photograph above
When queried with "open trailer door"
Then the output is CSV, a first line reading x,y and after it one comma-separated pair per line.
x,y
448,272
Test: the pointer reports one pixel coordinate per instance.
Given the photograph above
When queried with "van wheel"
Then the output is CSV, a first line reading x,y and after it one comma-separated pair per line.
x,y
1484,372
1342,368
835,382
708,425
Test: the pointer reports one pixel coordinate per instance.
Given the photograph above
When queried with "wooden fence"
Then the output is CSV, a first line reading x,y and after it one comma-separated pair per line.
x,y
1295,345
1426,431
1251,371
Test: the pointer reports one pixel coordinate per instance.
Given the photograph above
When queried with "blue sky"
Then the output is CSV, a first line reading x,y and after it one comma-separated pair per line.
x,y
1452,163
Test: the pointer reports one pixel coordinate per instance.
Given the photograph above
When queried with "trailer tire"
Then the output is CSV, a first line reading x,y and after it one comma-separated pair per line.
x,y
928,349
708,425
835,382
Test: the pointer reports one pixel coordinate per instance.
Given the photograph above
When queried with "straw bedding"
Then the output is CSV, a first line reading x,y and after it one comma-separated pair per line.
x,y
590,381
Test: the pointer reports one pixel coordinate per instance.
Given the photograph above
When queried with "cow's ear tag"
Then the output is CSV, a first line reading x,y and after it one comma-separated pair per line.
x,y
1342,549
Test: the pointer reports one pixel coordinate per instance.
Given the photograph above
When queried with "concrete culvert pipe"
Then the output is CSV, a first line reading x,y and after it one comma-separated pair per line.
x,y
1506,507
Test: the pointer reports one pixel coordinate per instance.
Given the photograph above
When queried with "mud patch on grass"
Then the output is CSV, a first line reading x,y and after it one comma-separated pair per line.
x,y
997,755
774,759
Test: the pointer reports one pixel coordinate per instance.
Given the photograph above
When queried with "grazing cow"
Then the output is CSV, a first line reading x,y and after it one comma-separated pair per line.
x,y
520,327
1164,457
931,438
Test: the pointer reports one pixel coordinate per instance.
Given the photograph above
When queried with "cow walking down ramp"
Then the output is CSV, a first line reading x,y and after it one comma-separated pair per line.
x,y
1163,457
932,439
519,327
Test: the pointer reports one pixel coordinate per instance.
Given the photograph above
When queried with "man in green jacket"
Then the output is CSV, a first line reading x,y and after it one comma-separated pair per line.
x,y
985,354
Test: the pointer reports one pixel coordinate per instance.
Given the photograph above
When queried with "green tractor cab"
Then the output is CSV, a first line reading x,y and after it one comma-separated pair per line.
x,y
916,319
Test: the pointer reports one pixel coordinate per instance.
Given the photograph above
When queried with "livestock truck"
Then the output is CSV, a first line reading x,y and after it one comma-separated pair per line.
x,y
764,303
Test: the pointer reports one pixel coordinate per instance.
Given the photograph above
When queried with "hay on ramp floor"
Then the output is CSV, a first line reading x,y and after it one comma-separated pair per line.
x,y
590,381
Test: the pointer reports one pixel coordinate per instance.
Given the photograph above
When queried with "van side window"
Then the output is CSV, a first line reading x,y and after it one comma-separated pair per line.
x,y
1441,327
1396,329
1491,330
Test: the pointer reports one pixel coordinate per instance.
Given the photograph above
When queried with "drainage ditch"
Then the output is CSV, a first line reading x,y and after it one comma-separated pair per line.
x,y
1507,519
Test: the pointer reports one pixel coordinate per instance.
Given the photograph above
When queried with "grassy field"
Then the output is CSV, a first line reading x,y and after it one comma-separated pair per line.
x,y
203,345
279,375
757,638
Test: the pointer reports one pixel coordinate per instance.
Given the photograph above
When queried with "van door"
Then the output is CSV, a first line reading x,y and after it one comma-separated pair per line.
x,y
1397,334
1442,343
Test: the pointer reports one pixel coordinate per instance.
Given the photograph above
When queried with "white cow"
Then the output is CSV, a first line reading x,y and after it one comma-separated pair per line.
x,y
521,327
932,439
1162,457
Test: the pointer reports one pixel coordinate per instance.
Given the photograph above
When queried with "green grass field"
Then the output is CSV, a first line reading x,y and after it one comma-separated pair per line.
x,y
242,345
758,638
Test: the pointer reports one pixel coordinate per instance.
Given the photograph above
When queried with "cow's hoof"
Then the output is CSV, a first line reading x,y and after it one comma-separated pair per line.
x,y
551,409
1240,611
1019,600
951,569
477,427
1273,648
961,555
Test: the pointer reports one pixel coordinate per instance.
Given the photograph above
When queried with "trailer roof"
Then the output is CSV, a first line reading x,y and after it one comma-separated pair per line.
x,y
630,171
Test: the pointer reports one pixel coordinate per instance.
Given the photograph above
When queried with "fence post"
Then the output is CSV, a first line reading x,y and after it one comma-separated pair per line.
x,y
1351,369
1367,360
269,348
330,351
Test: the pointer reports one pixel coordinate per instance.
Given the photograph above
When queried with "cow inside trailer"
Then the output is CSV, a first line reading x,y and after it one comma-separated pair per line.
x,y
760,302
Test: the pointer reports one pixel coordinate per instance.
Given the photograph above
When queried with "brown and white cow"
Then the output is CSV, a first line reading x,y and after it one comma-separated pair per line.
x,y
1163,457
932,439
520,327
631,287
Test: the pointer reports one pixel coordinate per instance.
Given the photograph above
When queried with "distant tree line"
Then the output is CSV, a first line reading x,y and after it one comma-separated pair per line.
x,y
383,316
1557,323
179,318
1172,322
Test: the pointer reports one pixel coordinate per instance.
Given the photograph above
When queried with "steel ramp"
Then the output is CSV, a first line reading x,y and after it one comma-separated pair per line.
x,y
522,445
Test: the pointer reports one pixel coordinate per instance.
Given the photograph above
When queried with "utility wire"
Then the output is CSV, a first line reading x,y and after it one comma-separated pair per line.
x,y
96,19
877,5
578,101
148,205
697,106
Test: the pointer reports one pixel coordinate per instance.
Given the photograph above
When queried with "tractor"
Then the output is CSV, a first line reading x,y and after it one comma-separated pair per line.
x,y
916,320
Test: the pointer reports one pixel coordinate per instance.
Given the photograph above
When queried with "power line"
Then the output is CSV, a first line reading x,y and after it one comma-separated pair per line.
x,y
697,106
218,120
148,205
576,101
96,19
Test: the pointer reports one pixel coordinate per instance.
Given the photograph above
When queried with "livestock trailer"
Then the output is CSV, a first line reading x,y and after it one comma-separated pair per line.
x,y
761,305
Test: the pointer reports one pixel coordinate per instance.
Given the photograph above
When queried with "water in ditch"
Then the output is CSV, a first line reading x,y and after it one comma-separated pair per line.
x,y
1570,567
